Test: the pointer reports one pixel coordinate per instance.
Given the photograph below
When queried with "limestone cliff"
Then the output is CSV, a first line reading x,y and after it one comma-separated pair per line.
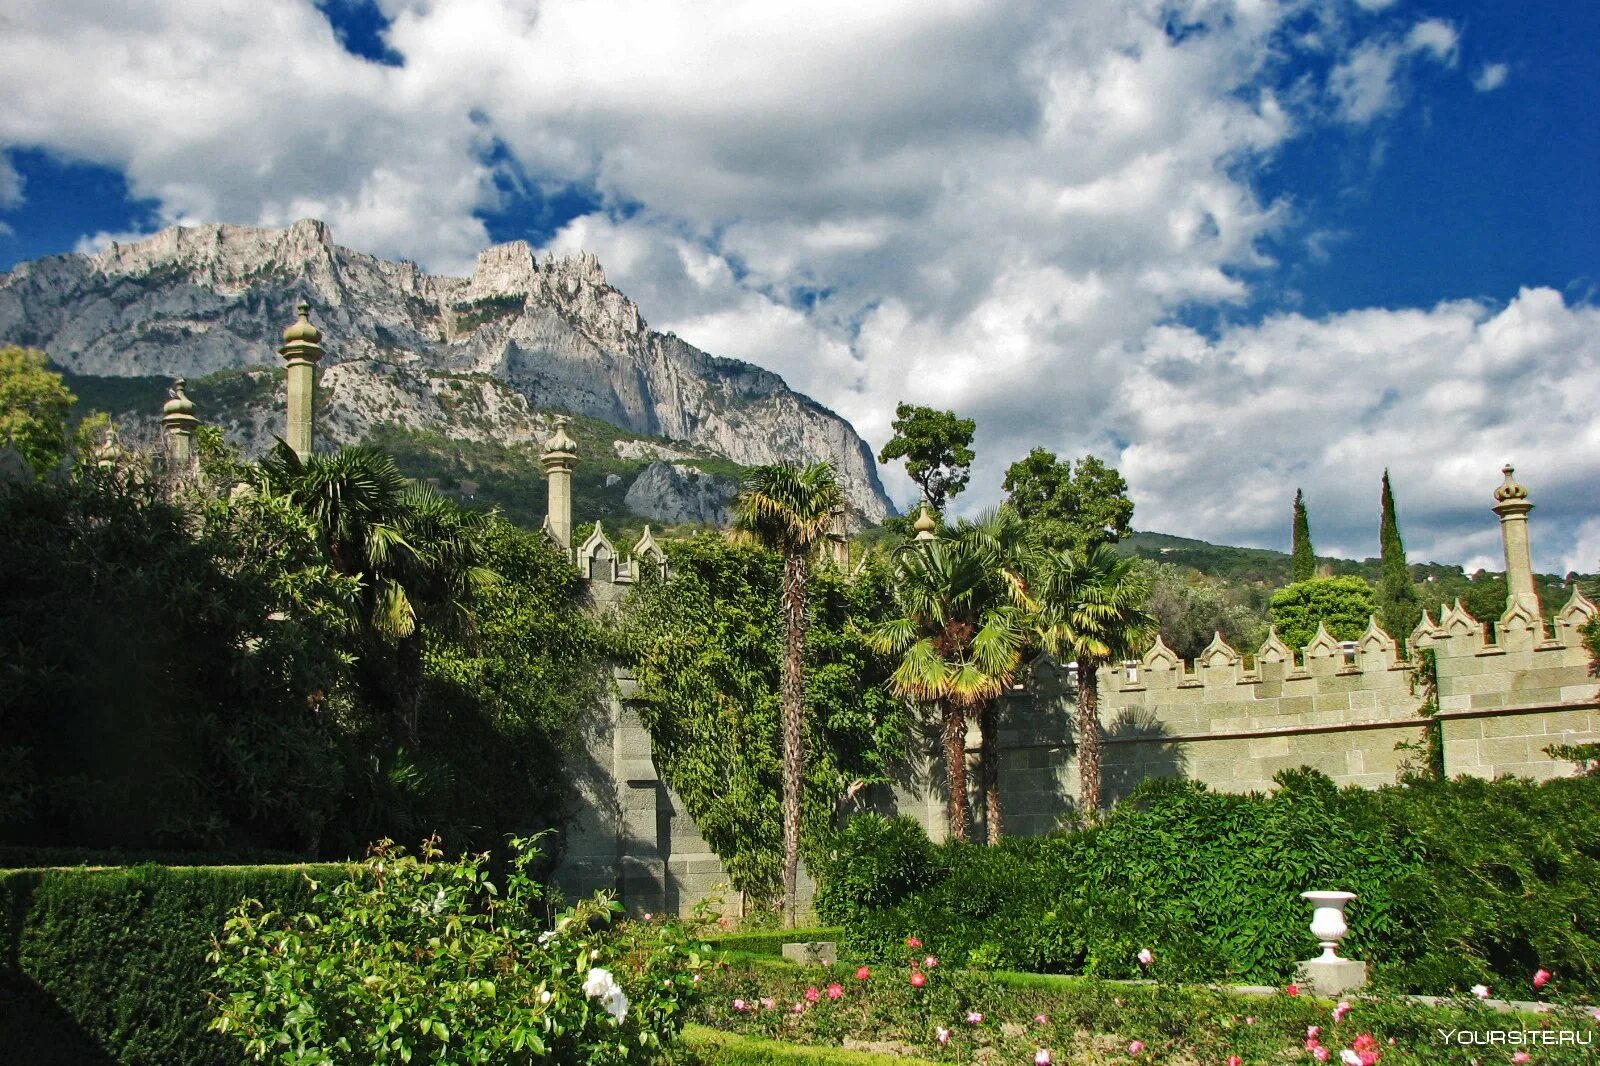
x,y
475,357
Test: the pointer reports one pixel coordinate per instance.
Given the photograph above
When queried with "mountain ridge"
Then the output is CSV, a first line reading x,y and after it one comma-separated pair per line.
x,y
523,335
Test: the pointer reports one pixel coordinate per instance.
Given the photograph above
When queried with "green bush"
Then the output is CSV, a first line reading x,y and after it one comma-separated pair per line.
x,y
1343,604
1458,882
110,965
417,958
874,863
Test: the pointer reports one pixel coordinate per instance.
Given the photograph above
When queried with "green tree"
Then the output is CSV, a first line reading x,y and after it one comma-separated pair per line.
x,y
706,645
1074,505
1191,609
957,636
789,510
417,555
937,448
1091,610
34,407
1343,604
1304,565
1399,607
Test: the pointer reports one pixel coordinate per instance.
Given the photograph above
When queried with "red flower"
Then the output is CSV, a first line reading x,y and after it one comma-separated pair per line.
x,y
1293,990
918,979
863,973
913,942
1541,978
1234,1060
835,990
812,995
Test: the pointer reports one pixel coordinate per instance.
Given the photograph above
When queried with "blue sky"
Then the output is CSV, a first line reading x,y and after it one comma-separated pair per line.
x,y
1235,247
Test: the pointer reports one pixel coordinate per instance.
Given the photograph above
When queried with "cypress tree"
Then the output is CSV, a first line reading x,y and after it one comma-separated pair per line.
x,y
1399,606
1305,560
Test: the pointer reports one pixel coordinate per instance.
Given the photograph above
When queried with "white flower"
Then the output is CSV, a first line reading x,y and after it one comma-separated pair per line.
x,y
438,902
1349,1058
1146,956
1481,991
546,936
599,984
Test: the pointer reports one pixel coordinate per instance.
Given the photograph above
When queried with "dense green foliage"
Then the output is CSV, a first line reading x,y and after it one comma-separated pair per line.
x,y
706,646
34,405
937,448
1343,604
1069,504
105,966
416,957
1457,882
1190,609
1305,559
302,665
1399,608
1087,1021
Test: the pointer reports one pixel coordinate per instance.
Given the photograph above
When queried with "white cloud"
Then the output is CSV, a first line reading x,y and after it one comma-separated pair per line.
x,y
1491,77
1369,83
991,206
11,184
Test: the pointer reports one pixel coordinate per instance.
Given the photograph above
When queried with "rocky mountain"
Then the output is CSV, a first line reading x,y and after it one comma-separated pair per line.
x,y
478,359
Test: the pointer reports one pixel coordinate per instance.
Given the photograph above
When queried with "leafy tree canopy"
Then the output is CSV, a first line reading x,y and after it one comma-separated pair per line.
x,y
1067,504
1191,609
1343,604
937,448
34,406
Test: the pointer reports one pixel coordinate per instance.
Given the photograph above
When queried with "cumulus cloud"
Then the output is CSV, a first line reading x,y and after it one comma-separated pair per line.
x,y
999,207
1491,77
11,184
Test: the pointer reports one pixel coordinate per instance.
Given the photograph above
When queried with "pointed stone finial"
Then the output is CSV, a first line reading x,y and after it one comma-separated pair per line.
x,y
560,443
302,331
178,402
925,525
560,457
1509,490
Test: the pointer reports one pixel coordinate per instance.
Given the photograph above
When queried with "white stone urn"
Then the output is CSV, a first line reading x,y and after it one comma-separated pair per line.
x,y
1327,921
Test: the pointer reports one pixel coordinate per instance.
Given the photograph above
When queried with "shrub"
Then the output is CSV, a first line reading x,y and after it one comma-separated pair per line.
x,y
110,965
1458,882
415,958
1343,604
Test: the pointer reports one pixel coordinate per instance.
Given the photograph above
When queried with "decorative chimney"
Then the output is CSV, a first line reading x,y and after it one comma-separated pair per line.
x,y
302,348
178,424
559,458
1511,504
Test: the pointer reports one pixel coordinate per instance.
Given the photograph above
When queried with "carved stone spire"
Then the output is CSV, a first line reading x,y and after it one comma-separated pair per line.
x,y
1511,504
559,458
178,422
302,348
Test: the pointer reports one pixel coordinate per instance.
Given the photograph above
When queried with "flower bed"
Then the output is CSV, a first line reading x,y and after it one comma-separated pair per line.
x,y
921,1007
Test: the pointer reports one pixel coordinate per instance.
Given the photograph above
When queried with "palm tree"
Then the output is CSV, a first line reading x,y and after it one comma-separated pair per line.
x,y
962,627
415,552
1091,609
790,509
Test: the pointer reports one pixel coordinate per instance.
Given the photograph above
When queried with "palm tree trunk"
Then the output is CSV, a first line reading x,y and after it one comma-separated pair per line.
x,y
794,635
989,765
955,759
1088,738
408,684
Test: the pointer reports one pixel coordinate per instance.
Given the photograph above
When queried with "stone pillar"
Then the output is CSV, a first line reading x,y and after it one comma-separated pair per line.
x,y
839,540
559,458
1511,504
302,349
178,424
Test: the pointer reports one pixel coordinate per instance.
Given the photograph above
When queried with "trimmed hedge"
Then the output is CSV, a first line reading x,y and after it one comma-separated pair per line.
x,y
1458,882
109,965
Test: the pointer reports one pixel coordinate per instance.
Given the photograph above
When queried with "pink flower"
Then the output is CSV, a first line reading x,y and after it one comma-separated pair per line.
x,y
1597,1014
918,979
1313,1031
768,1003
835,991
740,1005
812,995
863,973
913,942
974,1017
1340,1010
1249,1021
1146,956
648,916
942,1035
1234,1060
930,962
1521,1056
1042,1019
1541,978
1293,990
1319,1053
1311,1043
799,1008
1135,1046
1042,1057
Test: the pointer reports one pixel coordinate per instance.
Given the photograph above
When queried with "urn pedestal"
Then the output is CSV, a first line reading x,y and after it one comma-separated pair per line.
x,y
1328,974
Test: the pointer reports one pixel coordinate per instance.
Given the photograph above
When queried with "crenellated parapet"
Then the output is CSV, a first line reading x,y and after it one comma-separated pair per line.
x,y
1578,612
599,561
1221,666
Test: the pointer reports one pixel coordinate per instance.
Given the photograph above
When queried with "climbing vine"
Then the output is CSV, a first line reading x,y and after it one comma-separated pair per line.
x,y
706,649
